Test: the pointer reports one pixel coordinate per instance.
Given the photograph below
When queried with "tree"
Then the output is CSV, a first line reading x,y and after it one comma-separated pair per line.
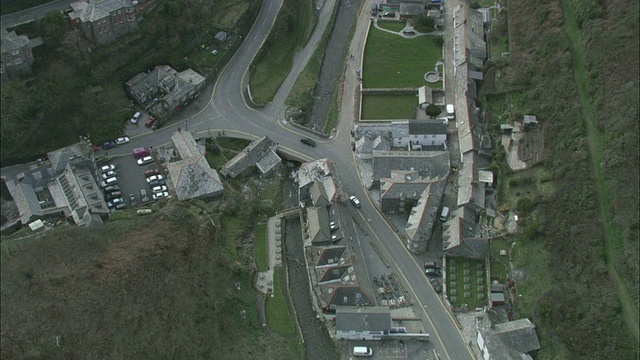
x,y
425,23
433,110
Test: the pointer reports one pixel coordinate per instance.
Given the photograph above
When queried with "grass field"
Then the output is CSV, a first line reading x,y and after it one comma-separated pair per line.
x,y
278,316
392,25
391,61
466,269
499,263
383,107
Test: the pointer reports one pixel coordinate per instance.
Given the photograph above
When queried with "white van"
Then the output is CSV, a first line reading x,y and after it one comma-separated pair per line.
x,y
362,351
451,113
445,214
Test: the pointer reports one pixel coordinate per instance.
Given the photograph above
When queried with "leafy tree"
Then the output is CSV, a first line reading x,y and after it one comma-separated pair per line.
x,y
425,23
433,110
54,26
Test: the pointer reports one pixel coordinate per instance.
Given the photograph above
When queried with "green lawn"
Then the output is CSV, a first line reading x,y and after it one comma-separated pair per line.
x,y
277,309
260,244
499,264
459,264
382,107
392,25
391,61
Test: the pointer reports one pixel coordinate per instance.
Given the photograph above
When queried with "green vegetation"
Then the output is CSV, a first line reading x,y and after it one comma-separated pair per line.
x,y
392,25
576,260
273,62
461,272
146,287
278,315
260,244
72,92
500,264
384,107
11,6
391,61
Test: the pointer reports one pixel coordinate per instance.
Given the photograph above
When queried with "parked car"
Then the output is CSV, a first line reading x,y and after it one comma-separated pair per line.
x,y
159,189
135,117
150,121
154,183
431,265
106,168
121,206
112,195
145,160
436,284
333,225
143,196
108,145
308,141
151,172
388,14
354,201
108,182
154,177
431,272
108,174
111,188
133,201
160,195
122,140
111,204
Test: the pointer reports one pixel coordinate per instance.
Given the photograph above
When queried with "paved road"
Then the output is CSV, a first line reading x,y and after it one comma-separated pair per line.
x,y
37,12
227,110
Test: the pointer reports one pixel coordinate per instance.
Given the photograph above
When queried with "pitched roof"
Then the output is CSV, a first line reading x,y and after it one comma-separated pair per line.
x,y
424,214
427,163
93,10
427,127
251,155
318,195
331,256
344,296
318,219
508,340
11,41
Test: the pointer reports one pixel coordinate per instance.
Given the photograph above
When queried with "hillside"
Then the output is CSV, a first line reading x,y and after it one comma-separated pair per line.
x,y
574,64
163,286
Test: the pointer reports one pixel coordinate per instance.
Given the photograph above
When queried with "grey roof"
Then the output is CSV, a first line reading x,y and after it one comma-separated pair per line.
x,y
334,274
456,229
427,127
400,129
192,176
395,190
191,77
252,154
321,169
425,95
165,83
96,10
485,176
509,340
318,219
345,296
411,9
425,213
60,157
476,75
469,189
11,41
268,162
372,318
363,318
530,119
331,256
318,194
221,36
427,163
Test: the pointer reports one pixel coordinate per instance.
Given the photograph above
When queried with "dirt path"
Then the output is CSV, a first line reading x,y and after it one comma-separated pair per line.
x,y
595,140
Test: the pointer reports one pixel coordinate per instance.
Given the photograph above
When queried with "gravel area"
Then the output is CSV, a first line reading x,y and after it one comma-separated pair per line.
x,y
318,344
332,65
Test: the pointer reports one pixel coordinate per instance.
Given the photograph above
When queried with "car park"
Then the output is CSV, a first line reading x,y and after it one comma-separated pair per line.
x,y
135,117
122,140
120,206
308,141
159,189
155,183
107,168
133,201
354,201
108,145
150,121
108,174
144,197
145,160
109,181
111,188
151,172
160,195
431,272
113,195
154,177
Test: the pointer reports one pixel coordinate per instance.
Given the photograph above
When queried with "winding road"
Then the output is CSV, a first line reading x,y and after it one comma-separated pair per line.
x,y
228,110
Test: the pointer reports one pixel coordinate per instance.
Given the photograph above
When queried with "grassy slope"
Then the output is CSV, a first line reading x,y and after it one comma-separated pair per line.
x,y
147,287
596,142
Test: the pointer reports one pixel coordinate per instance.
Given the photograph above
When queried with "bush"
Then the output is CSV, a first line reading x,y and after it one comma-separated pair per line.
x,y
433,110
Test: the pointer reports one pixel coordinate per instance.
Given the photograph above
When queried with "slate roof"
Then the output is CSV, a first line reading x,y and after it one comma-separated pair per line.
x,y
333,274
321,170
427,163
330,256
411,9
508,340
425,213
456,229
192,176
318,195
369,318
344,296
253,154
318,220
470,191
425,95
11,41
427,127
95,10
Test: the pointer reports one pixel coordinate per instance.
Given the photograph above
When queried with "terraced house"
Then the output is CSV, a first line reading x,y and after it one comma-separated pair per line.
x,y
103,21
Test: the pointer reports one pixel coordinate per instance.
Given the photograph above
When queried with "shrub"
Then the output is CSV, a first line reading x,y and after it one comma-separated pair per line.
x,y
433,110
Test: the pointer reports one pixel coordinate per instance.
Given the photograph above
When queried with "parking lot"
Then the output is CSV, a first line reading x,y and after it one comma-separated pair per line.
x,y
392,349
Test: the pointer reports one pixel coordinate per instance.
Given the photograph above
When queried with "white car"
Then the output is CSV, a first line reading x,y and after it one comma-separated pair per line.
x,y
136,117
354,201
106,168
158,189
108,174
145,160
122,140
160,195
154,177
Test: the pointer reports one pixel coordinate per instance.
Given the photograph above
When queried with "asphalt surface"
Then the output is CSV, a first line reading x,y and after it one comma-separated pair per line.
x,y
226,109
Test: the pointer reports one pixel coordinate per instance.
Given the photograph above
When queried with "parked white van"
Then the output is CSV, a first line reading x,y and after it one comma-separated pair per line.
x,y
362,351
445,214
451,113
